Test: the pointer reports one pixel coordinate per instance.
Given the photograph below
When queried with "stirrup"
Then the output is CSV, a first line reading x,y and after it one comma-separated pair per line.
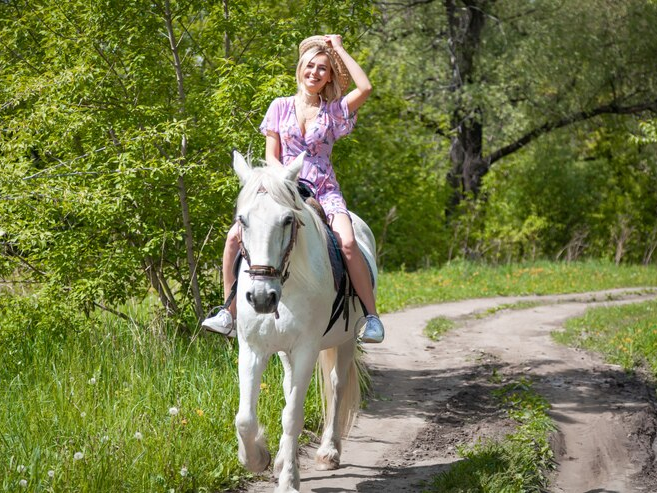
x,y
221,323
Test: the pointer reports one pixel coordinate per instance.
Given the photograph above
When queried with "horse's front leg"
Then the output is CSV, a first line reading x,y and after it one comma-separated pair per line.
x,y
300,364
252,448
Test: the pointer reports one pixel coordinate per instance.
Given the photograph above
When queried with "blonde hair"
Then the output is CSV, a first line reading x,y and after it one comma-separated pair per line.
x,y
331,91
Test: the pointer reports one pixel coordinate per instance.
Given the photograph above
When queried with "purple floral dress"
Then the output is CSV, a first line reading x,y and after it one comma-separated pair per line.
x,y
332,122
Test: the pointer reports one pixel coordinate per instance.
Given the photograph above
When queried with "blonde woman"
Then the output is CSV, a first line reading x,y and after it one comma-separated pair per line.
x,y
311,121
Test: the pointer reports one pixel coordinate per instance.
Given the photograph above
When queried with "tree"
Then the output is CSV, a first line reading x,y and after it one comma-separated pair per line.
x,y
506,73
118,119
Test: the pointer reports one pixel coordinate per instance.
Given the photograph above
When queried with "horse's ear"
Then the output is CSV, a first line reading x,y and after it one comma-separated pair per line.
x,y
241,167
293,169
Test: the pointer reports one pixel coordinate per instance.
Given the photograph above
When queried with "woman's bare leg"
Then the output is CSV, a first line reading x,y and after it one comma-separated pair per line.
x,y
230,254
356,265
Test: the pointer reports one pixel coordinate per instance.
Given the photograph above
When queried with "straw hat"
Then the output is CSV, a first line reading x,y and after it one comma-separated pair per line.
x,y
318,41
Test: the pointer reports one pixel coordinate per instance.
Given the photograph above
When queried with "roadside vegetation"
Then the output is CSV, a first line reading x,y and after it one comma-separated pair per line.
x,y
519,463
101,404
626,335
462,280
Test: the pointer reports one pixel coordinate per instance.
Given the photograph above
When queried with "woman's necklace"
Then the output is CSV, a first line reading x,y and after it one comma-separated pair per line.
x,y
306,110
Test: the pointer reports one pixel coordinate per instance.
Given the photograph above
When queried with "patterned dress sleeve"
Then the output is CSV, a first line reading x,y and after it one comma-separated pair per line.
x,y
271,122
343,121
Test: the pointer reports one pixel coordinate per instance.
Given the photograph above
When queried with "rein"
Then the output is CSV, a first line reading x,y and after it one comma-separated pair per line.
x,y
269,271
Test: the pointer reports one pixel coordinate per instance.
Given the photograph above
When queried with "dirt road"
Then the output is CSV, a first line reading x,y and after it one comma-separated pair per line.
x,y
430,396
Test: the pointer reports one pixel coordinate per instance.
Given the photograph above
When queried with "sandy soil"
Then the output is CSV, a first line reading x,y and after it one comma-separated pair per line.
x,y
430,396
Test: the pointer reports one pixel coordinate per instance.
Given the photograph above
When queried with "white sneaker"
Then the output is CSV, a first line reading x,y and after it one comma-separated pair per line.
x,y
221,323
373,332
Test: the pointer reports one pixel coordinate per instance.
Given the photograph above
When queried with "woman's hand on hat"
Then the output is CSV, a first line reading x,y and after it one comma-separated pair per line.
x,y
333,40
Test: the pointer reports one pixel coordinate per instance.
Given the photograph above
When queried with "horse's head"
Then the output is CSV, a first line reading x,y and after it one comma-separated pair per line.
x,y
268,209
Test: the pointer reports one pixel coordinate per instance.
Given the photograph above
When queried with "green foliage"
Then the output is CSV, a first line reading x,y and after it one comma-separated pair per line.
x,y
516,464
586,194
626,335
531,72
115,141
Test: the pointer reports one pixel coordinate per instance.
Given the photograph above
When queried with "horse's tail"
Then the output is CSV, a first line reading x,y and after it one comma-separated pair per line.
x,y
350,402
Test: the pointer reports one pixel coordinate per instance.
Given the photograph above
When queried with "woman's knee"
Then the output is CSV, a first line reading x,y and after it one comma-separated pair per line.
x,y
348,245
232,239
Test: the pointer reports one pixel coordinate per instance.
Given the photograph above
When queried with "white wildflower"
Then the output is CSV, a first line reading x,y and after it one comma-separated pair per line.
x,y
78,456
138,435
51,474
183,471
20,468
92,381
83,415
173,411
23,483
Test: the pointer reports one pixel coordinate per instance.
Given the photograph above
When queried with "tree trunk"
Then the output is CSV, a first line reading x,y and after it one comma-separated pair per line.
x,y
182,188
465,25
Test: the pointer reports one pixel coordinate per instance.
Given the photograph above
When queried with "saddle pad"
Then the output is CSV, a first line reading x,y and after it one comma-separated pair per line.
x,y
335,255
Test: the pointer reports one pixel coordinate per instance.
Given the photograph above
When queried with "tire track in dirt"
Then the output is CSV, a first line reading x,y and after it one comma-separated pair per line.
x,y
429,396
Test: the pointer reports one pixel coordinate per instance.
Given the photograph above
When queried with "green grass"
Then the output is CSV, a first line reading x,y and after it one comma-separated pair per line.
x,y
437,327
626,334
462,280
103,387
119,408
520,305
516,464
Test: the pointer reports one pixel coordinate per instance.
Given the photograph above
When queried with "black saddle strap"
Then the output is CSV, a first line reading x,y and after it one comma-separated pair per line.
x,y
340,305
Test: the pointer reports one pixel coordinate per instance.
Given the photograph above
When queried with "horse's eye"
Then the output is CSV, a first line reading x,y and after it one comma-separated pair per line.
x,y
287,221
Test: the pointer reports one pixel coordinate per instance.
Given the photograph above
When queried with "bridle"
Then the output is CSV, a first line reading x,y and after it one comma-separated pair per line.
x,y
269,271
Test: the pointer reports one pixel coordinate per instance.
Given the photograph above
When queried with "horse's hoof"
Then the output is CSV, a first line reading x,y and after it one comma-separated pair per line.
x,y
327,465
262,465
268,462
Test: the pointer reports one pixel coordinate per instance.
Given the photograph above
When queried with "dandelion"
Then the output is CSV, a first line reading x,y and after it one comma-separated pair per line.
x,y
183,471
78,456
20,468
23,483
92,381
83,415
199,412
263,386
138,435
51,474
173,411
184,421
104,439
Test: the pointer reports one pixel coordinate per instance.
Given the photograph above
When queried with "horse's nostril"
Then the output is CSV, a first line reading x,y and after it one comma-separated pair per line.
x,y
273,298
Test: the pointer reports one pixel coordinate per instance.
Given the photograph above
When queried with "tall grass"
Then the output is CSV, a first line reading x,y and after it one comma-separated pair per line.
x,y
120,408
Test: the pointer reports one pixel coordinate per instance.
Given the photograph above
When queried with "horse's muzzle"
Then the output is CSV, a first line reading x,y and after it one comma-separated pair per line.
x,y
264,296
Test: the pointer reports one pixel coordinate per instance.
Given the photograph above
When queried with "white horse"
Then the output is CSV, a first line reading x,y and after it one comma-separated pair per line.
x,y
284,303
